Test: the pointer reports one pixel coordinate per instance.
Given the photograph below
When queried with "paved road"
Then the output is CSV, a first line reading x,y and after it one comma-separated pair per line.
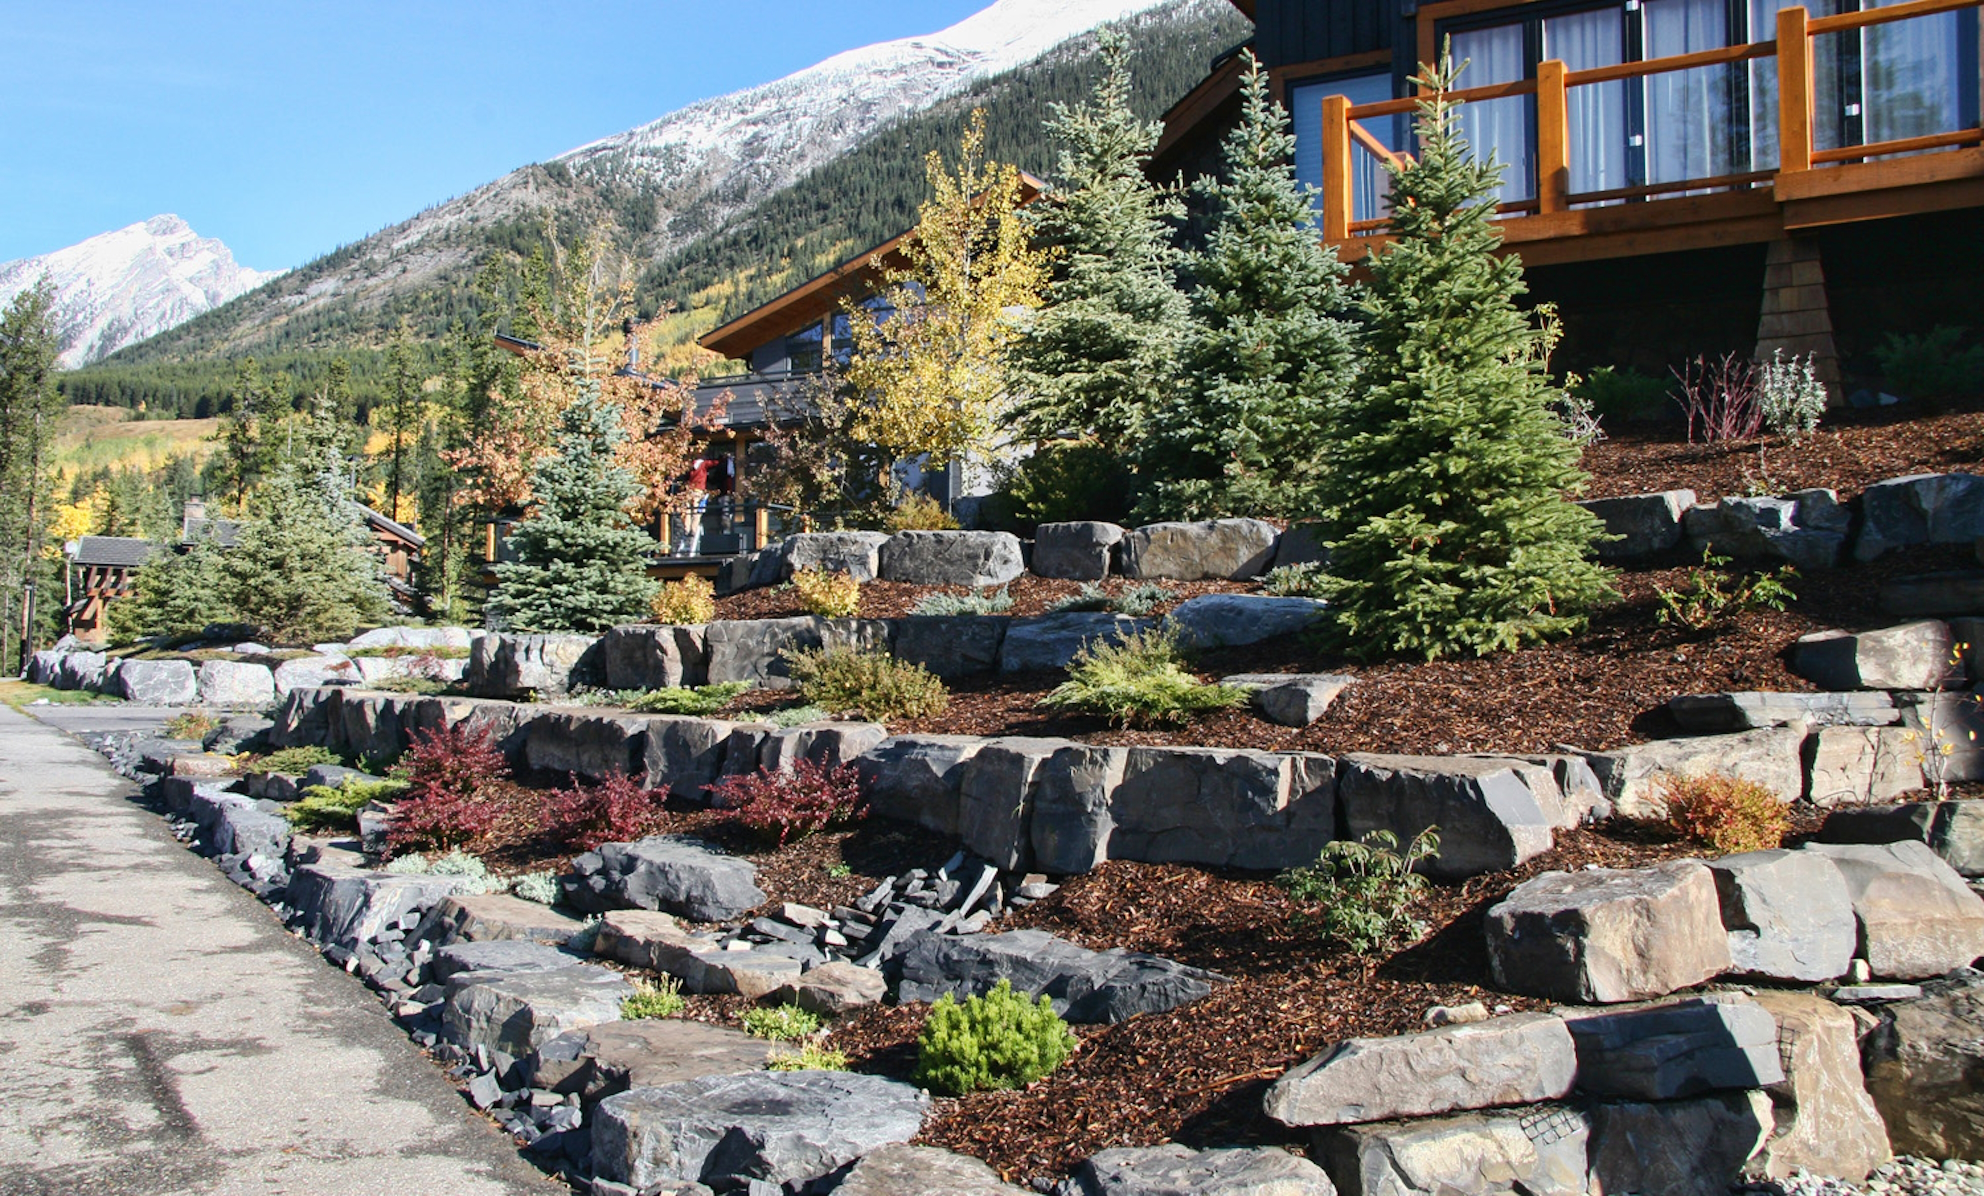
x,y
161,1033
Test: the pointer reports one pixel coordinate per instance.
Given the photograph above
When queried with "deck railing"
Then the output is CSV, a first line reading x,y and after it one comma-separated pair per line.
x,y
1343,134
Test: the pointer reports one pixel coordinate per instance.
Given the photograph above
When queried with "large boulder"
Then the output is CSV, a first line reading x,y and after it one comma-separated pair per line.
x,y
1807,528
1226,807
505,665
754,650
1684,1048
83,670
1714,714
923,1171
827,744
1605,935
518,1012
1644,524
1215,549
1487,811
1632,775
306,716
1827,1124
918,778
1045,642
1909,656
995,797
415,637
774,1128
497,917
670,873
499,957
1922,1064
1083,985
950,645
857,554
831,989
1071,824
45,666
1677,1148
1514,1060
1917,917
688,754
589,743
349,907
1080,551
1954,830
951,558
601,1060
1518,1152
310,672
156,682
1860,765
1175,1170
1235,620
646,656
1788,915
1922,508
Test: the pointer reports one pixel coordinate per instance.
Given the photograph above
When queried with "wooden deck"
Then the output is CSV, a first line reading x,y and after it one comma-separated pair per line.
x,y
1809,188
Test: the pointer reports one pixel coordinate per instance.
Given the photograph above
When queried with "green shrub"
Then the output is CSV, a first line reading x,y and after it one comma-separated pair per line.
x,y
321,808
828,595
1137,601
1725,812
791,716
781,1023
985,602
1067,480
810,1056
293,761
1360,892
1296,581
691,600
541,887
919,513
652,1000
403,651
1932,367
1706,598
702,700
473,873
1138,682
998,1040
1625,394
876,684
425,686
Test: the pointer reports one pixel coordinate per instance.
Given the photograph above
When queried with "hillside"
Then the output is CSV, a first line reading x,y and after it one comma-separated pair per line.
x,y
716,242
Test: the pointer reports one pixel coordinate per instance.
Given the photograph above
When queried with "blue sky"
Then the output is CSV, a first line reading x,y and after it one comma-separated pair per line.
x,y
289,127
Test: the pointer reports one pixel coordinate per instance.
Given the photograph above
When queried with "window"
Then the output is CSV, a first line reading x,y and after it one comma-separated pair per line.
x,y
1369,184
802,350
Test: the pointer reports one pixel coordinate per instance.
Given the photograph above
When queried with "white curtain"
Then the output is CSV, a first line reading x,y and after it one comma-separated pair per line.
x,y
1908,76
1687,112
1827,110
1370,184
1597,111
1499,127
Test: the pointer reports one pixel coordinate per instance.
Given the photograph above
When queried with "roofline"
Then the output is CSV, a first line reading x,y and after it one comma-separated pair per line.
x,y
399,529
1246,7
1221,85
818,295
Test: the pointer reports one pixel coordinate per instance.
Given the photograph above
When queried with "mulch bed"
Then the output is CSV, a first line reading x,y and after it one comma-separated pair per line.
x,y
893,599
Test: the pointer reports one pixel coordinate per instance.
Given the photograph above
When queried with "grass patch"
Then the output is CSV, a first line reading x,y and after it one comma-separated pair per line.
x,y
652,1000
781,1023
26,693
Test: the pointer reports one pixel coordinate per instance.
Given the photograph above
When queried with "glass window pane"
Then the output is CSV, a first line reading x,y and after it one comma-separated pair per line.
x,y
1828,113
1371,186
1910,77
1688,135
1500,128
1597,111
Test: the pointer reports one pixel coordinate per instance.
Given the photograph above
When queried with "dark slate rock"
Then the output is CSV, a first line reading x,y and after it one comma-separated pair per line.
x,y
951,558
1084,986
1715,714
1079,551
500,955
674,874
1670,1051
1175,1170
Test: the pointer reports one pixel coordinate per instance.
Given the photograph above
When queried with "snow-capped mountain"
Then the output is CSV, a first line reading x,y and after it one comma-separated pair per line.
x,y
117,288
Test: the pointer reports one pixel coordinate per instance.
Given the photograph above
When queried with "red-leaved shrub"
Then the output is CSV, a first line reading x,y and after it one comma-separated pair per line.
x,y
799,802
617,810
448,772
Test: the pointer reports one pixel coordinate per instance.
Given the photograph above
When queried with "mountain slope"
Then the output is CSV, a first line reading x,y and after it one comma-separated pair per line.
x,y
119,287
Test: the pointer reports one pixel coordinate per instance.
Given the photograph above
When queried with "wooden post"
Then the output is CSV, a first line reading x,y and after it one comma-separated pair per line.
x,y
662,532
1794,92
1553,138
1337,191
761,527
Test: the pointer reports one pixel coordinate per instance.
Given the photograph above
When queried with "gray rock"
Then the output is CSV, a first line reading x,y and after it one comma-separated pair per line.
x,y
645,656
234,683
1488,811
155,682
588,743
499,955
1826,1123
1632,775
1949,730
1675,1050
45,665
753,649
518,1012
1080,551
950,645
1045,642
349,907
1807,528
1713,714
1934,595
1606,936
239,733
1958,836
1858,765
1291,699
496,917
1071,822
414,637
1917,917
688,754
918,778
923,1171
1677,1148
1083,985
856,554
306,716
230,824
654,940
503,665
1921,1065
827,744
832,989
1302,544
1520,1152
599,1061
1232,549
1909,656
1235,620
1646,524
779,1128
1224,807
995,798
1922,508
671,873
1896,823
1787,913
1174,1170
951,558
1514,1060
1875,994
83,670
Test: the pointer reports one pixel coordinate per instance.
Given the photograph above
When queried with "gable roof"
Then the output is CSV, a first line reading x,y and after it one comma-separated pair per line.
x,y
126,552
381,523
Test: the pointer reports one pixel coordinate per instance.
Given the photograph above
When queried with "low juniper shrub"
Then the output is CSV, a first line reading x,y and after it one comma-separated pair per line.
x,y
323,808
700,701
617,810
293,761
1359,894
983,602
796,803
1140,681
997,1040
874,684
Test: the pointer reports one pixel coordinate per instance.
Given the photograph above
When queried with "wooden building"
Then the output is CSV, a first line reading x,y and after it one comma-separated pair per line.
x,y
100,572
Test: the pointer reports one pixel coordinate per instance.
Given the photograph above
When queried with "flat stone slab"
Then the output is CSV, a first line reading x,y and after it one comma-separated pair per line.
x,y
1914,655
1291,699
923,1171
1174,1169
488,917
1632,774
1530,1152
656,941
1514,1060
1788,915
1487,810
832,989
1606,935
778,1128
1675,1050
1954,830
517,1012
499,955
1874,994
1714,714
1083,985
599,1061
1236,620
671,873
1044,642
1917,916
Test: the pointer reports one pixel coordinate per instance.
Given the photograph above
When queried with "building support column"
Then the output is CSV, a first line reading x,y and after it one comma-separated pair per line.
x,y
1797,320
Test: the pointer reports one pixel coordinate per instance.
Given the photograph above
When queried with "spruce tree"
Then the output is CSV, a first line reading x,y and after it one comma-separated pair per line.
x,y
300,572
1450,476
581,563
1101,351
173,593
1270,354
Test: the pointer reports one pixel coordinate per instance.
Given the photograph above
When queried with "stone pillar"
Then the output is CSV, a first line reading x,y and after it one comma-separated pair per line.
x,y
1796,317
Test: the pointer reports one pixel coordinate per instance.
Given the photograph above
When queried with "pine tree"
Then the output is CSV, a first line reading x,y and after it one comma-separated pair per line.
x,y
173,593
581,563
399,415
1271,354
300,572
244,450
29,408
1450,474
1101,351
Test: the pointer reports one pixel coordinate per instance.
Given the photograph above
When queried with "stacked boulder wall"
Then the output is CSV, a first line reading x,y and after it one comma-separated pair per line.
x,y
1071,825
1632,775
587,743
1606,936
503,665
646,656
1644,524
1922,1065
995,797
1223,807
1236,620
1515,1060
1675,1049
1788,915
1918,655
598,1061
1487,811
1080,551
1922,508
919,778
927,558
950,645
1826,1122
687,754
754,650
1807,528
1860,765
1539,1151
1917,918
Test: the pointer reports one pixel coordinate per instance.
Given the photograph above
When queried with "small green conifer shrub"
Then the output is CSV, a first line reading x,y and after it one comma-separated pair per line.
x,y
876,684
997,1040
1139,681
700,701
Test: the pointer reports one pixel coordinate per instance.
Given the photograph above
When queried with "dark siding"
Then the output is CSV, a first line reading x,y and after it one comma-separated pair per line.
x,y
1292,31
